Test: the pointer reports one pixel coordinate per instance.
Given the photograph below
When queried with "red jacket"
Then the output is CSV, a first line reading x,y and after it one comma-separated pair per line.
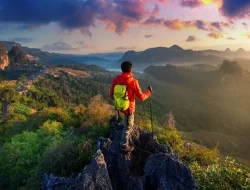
x,y
133,89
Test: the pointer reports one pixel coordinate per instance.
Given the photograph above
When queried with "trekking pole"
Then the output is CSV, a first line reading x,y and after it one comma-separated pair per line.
x,y
151,116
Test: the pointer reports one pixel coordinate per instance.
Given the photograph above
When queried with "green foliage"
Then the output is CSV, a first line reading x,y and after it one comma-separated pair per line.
x,y
98,131
19,157
173,139
221,176
22,109
52,127
56,113
208,168
9,93
10,121
68,158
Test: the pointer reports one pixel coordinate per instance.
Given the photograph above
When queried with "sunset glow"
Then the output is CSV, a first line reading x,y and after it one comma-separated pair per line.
x,y
104,25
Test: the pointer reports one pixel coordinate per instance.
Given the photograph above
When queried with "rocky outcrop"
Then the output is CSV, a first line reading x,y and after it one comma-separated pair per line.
x,y
150,166
17,56
4,60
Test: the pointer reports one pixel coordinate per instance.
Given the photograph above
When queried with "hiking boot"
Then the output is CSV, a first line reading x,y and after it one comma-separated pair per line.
x,y
127,148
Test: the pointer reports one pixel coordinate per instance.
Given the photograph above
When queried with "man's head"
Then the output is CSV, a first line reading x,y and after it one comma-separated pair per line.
x,y
126,66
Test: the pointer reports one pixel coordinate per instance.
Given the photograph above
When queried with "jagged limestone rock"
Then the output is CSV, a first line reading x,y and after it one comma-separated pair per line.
x,y
94,176
150,166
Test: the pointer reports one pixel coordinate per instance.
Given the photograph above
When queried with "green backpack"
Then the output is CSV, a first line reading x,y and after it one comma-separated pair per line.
x,y
121,100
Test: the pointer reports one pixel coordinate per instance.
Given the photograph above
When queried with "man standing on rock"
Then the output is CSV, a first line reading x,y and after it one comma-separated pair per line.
x,y
128,87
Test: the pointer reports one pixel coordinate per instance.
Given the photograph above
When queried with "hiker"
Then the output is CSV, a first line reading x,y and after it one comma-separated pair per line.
x,y
123,89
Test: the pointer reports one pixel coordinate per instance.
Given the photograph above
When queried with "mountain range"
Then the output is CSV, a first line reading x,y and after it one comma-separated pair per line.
x,y
152,56
55,58
178,55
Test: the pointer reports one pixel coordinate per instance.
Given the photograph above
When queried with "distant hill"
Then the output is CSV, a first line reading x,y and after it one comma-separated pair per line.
x,y
240,53
44,57
4,61
110,56
173,55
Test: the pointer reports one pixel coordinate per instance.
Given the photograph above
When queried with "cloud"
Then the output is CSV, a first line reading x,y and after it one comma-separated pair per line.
x,y
148,36
63,46
199,3
21,40
219,25
116,15
156,10
121,48
191,3
229,8
231,38
215,35
192,39
236,8
177,24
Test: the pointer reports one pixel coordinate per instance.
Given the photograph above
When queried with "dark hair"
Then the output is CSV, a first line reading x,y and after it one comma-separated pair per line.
x,y
126,66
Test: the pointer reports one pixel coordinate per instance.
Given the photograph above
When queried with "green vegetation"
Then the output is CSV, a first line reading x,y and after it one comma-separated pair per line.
x,y
52,128
22,109
211,170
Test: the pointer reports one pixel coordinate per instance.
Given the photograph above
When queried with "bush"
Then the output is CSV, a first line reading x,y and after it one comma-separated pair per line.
x,y
200,154
222,175
99,111
22,109
19,157
10,121
52,127
68,158
98,131
58,114
172,138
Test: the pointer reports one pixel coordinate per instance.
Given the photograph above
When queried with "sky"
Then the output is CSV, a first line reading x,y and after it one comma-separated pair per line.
x,y
91,26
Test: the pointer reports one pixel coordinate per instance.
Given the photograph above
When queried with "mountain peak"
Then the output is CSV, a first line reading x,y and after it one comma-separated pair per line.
x,y
240,50
176,48
227,50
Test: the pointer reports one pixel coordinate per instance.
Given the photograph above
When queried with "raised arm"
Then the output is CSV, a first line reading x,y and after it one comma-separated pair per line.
x,y
139,94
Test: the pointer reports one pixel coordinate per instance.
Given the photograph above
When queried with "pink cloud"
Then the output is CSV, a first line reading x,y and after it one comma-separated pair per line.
x,y
215,35
177,24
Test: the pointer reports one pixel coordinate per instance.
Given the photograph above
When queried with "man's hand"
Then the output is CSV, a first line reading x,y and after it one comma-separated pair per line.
x,y
150,89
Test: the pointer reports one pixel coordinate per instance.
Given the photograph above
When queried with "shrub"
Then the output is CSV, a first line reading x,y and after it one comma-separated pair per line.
x,y
10,121
68,158
200,154
52,127
22,109
172,138
99,111
222,175
57,113
98,131
19,157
